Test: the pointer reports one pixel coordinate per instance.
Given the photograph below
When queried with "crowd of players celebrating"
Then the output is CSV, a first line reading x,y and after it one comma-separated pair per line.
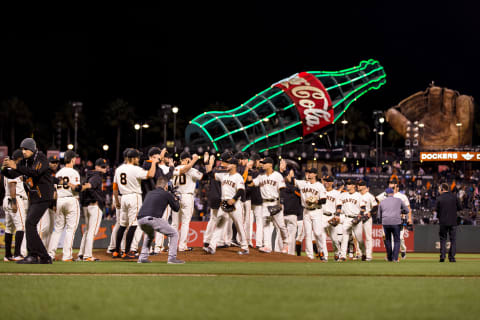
x,y
43,201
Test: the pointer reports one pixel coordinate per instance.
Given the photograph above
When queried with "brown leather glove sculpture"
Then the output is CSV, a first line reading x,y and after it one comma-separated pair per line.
x,y
439,109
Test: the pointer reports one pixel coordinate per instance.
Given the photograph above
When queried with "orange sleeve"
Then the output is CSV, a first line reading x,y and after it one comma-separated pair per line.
x,y
245,175
115,186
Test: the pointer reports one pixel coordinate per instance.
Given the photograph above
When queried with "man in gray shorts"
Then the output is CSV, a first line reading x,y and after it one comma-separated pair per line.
x,y
150,220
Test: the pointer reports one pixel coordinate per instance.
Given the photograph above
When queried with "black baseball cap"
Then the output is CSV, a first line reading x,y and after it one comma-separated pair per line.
x,y
312,170
226,156
101,162
267,160
69,155
362,183
154,151
233,161
53,159
17,154
351,181
255,156
328,178
133,153
125,152
185,155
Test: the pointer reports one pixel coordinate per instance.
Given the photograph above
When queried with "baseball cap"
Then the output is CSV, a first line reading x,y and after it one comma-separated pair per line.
x,y
328,178
101,162
125,152
312,170
362,183
227,155
53,159
133,153
29,144
153,151
233,161
241,155
255,156
350,181
185,155
69,155
267,160
389,191
17,154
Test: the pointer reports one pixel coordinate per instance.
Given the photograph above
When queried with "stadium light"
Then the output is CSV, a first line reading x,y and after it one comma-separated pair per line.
x,y
105,147
70,146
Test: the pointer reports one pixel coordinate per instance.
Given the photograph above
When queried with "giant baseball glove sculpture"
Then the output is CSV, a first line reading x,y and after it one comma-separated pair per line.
x,y
439,110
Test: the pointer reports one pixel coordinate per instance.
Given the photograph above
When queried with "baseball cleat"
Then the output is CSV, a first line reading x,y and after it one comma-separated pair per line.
x,y
208,250
110,251
235,243
342,259
79,258
154,253
6,259
17,258
91,259
404,255
243,252
29,260
285,249
68,260
364,258
116,255
336,257
144,261
186,249
175,261
368,259
265,250
129,256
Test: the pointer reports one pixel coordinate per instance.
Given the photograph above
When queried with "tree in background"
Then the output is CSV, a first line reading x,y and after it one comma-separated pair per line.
x,y
15,115
119,114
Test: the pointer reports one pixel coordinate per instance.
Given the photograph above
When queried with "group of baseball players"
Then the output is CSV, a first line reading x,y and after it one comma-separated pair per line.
x,y
243,188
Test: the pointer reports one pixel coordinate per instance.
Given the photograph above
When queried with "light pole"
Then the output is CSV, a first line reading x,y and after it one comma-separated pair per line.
x,y
381,120
105,148
175,111
144,126
77,108
165,109
459,124
136,127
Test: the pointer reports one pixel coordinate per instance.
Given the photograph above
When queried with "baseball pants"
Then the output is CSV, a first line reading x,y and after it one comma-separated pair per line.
x,y
222,218
183,216
151,225
331,231
367,231
113,237
269,222
45,226
258,215
207,236
35,245
15,221
312,225
248,220
349,227
66,218
93,218
291,224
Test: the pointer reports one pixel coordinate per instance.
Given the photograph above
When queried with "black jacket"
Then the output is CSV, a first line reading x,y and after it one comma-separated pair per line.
x,y
446,207
155,203
39,177
292,204
95,193
253,193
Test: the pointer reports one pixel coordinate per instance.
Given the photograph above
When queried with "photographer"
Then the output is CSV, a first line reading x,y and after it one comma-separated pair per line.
x,y
150,220
391,211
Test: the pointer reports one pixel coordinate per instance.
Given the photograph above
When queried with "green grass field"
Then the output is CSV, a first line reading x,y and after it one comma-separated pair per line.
x,y
417,288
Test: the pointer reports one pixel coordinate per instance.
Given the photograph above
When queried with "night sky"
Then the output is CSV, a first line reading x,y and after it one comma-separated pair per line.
x,y
203,55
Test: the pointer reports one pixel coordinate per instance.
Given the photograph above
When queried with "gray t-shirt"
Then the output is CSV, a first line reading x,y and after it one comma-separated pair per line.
x,y
390,211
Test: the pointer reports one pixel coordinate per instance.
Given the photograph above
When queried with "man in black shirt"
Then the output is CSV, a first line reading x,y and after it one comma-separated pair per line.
x,y
40,193
446,208
150,221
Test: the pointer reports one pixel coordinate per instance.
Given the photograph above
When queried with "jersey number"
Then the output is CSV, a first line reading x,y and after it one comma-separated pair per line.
x,y
64,183
123,178
181,180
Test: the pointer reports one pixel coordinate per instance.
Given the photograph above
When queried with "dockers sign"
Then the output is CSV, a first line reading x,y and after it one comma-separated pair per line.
x,y
450,156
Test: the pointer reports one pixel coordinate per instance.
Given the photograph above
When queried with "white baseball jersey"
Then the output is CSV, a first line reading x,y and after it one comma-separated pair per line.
x,y
231,183
398,195
333,200
270,185
19,189
164,169
128,177
369,200
186,182
351,203
308,190
65,176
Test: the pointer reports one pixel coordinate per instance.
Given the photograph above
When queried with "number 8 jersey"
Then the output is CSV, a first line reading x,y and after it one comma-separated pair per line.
x,y
128,177
186,182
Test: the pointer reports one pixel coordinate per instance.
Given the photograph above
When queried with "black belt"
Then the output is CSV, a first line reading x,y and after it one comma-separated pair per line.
x,y
311,209
270,200
328,214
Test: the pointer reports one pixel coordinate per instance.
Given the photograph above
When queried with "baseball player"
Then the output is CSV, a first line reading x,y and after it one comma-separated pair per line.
x,y
233,188
128,177
45,226
353,207
15,214
113,237
93,203
253,193
67,215
184,179
397,194
313,196
371,207
331,210
270,183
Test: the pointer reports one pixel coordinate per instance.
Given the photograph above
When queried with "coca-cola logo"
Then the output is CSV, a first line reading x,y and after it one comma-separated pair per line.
x,y
311,99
